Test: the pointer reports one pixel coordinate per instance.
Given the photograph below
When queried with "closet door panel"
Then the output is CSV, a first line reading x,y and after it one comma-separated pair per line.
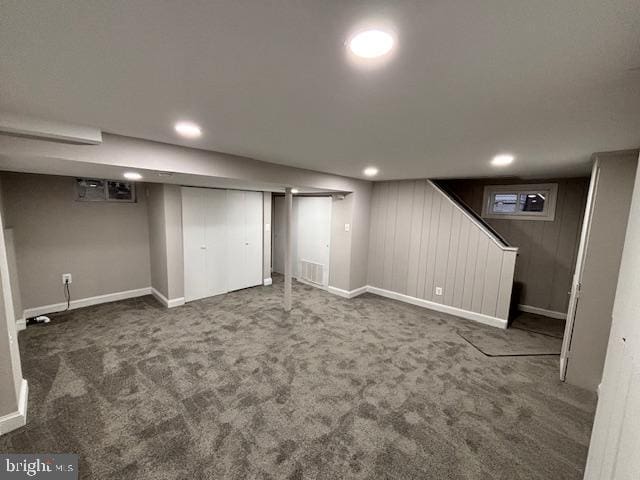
x,y
193,228
216,241
253,238
236,240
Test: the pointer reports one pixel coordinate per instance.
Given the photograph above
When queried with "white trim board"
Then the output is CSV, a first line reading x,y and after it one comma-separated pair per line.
x,y
167,302
18,418
267,281
346,293
86,302
439,307
21,324
543,311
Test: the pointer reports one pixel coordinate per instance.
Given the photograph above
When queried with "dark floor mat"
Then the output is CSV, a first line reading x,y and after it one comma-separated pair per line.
x,y
552,327
512,342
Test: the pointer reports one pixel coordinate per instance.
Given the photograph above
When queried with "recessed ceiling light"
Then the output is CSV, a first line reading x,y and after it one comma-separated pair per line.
x,y
371,43
370,171
188,129
295,190
502,160
132,176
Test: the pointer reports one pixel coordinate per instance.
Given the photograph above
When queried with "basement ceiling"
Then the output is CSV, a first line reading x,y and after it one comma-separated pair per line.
x,y
549,81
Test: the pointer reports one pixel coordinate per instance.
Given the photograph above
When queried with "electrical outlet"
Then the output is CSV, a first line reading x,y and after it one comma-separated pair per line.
x,y
66,278
347,227
438,290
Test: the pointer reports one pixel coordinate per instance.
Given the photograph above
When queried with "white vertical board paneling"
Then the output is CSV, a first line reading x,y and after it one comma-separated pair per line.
x,y
481,265
402,239
432,242
470,268
421,240
424,241
461,263
389,233
443,240
452,261
492,273
506,284
415,236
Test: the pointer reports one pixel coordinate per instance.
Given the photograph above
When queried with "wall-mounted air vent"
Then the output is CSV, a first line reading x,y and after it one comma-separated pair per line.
x,y
311,272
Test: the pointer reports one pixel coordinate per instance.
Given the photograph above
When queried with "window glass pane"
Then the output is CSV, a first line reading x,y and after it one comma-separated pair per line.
x,y
120,191
532,202
90,190
504,203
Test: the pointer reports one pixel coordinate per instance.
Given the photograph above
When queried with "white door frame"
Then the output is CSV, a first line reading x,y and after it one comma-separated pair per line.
x,y
576,282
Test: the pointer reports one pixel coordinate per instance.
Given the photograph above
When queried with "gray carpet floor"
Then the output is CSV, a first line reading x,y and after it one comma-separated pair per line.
x,y
232,387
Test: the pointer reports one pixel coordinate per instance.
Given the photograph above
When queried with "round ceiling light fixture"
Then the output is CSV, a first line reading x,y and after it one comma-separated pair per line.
x,y
502,160
132,176
188,129
370,171
371,43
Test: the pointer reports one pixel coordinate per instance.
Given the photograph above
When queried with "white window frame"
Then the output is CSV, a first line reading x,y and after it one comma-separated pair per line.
x,y
549,190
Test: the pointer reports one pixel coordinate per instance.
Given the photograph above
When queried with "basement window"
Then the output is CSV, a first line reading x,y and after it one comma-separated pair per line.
x,y
100,190
520,202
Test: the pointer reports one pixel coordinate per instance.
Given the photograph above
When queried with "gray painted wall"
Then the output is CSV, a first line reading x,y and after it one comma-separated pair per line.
x,y
547,250
116,153
175,252
157,238
601,268
105,246
420,240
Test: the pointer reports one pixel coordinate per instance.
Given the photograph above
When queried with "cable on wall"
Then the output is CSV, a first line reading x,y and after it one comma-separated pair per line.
x,y
67,295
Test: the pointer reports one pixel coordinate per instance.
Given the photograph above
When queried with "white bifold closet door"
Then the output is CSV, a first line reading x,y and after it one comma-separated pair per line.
x,y
222,241
205,242
244,221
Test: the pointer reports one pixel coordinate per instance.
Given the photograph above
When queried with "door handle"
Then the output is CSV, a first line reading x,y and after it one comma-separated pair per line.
x,y
203,247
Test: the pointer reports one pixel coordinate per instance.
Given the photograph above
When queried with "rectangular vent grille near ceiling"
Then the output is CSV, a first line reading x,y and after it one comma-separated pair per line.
x,y
311,271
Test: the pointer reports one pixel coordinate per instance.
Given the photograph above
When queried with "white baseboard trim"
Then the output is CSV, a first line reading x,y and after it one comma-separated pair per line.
x,y
21,324
458,312
543,311
267,281
18,418
86,302
347,293
311,284
167,302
